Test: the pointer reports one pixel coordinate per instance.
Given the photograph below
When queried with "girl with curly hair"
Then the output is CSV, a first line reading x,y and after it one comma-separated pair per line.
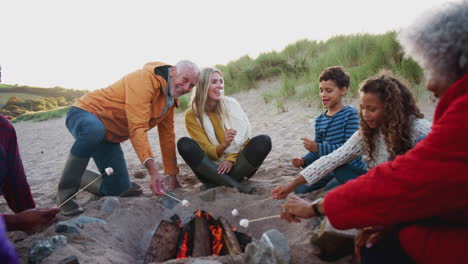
x,y
394,129
390,125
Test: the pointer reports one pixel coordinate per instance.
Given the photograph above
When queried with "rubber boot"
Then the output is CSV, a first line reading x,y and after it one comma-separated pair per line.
x,y
208,169
95,187
89,176
69,184
242,168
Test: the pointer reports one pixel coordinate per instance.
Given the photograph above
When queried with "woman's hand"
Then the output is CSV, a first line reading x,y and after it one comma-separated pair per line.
x,y
369,236
282,191
310,145
296,208
225,166
229,136
298,162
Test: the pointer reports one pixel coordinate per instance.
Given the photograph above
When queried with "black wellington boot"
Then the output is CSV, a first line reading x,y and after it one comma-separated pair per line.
x,y
208,169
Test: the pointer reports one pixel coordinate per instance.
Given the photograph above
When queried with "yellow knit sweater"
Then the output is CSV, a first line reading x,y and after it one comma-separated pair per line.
x,y
198,134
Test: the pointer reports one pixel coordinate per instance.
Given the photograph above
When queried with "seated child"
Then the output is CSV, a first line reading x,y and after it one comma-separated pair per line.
x,y
391,124
332,129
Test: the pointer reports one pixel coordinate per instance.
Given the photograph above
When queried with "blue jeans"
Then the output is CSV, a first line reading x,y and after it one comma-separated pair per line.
x,y
89,132
339,176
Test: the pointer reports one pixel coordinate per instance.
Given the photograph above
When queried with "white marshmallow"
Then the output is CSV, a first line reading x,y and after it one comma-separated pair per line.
x,y
109,171
234,212
185,203
244,223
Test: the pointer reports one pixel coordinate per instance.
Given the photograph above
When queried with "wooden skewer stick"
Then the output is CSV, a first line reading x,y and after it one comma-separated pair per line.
x,y
184,203
108,171
172,197
263,218
245,222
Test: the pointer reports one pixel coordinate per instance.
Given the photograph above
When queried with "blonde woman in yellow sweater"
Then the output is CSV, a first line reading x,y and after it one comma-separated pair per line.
x,y
220,151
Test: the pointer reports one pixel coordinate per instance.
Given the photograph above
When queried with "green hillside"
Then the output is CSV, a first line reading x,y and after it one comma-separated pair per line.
x,y
299,65
18,100
5,96
69,94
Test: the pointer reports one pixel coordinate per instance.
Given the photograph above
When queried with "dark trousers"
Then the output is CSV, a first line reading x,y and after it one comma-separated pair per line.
x,y
248,161
386,251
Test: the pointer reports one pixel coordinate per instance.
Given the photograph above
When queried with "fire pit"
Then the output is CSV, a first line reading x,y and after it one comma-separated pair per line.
x,y
198,235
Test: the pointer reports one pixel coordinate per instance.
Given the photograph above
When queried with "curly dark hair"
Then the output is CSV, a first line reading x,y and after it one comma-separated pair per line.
x,y
336,74
399,110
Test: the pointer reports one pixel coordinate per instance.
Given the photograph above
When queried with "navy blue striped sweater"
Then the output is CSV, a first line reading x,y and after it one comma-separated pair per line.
x,y
331,132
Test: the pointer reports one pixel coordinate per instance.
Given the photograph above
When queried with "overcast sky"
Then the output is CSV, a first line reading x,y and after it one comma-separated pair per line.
x,y
89,44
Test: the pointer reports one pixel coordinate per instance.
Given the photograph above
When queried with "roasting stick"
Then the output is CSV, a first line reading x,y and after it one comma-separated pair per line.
x,y
184,203
245,222
109,171
170,196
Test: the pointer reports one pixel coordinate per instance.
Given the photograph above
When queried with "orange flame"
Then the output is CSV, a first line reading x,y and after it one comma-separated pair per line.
x,y
199,213
217,244
183,248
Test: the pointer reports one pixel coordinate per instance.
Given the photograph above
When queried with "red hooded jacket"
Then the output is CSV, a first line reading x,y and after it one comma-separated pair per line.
x,y
424,190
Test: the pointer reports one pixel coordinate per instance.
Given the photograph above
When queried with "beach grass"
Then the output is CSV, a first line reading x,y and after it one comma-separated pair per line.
x,y
301,63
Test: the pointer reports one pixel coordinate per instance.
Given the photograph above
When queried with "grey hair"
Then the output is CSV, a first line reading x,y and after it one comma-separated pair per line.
x,y
186,64
438,41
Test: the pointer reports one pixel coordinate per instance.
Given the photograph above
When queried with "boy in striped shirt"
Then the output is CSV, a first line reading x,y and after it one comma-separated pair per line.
x,y
332,129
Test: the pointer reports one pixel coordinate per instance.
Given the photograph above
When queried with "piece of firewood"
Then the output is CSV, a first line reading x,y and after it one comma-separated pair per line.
x,y
163,246
230,240
201,238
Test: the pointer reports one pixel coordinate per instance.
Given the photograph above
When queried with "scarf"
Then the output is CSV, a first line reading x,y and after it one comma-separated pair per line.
x,y
236,119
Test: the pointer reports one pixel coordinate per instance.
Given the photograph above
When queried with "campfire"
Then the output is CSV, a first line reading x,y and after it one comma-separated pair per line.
x,y
197,236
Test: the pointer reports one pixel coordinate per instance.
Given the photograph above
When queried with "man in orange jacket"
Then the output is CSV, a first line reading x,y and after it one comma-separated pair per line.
x,y
127,109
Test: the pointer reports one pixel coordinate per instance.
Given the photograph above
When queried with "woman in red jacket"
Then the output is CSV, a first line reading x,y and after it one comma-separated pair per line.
x,y
420,198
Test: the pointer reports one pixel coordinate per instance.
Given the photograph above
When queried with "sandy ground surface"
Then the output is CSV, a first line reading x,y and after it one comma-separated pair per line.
x,y
125,238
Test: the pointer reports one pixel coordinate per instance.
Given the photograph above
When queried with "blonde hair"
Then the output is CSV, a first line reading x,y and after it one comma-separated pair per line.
x,y
200,97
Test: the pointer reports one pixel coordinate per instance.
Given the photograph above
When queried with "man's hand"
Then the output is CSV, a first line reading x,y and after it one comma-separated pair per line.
x,y
298,162
32,220
225,166
173,182
310,145
282,191
157,185
229,136
156,179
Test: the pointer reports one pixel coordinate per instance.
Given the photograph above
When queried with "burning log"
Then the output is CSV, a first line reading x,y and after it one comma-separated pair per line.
x,y
163,246
201,237
229,238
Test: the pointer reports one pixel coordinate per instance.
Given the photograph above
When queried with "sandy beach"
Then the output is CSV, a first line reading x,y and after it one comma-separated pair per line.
x,y
125,238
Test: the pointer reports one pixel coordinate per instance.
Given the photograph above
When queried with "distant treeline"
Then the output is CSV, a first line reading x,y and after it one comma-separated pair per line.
x,y
69,94
51,98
